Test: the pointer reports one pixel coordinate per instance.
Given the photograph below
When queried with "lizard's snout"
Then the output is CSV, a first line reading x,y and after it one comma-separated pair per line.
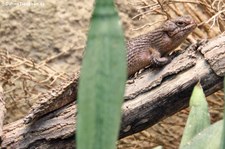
x,y
193,24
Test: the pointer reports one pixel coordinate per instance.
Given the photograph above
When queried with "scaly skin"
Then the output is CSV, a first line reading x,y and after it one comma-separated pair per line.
x,y
54,99
142,51
149,48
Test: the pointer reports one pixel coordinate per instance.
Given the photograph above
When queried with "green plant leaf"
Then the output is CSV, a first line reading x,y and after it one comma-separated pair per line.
x,y
102,81
198,118
223,132
209,138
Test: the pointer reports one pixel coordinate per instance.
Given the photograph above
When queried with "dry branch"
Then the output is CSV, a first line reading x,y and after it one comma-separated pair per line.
x,y
154,95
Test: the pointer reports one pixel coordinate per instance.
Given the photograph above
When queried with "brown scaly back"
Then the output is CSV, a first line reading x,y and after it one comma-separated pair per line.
x,y
148,48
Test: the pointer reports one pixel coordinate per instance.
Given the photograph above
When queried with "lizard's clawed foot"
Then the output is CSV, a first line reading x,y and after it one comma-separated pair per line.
x,y
161,61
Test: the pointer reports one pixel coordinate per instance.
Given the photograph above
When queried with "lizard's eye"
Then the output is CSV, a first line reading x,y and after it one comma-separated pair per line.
x,y
181,24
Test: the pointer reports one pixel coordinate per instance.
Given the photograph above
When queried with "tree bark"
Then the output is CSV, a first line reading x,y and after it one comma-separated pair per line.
x,y
154,95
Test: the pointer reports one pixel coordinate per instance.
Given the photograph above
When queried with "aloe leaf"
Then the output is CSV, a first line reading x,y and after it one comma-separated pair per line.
x,y
102,81
209,138
198,118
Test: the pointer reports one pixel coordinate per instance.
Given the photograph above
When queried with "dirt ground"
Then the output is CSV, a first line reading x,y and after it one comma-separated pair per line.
x,y
43,42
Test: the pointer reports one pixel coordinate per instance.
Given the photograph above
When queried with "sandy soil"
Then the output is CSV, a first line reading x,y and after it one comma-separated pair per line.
x,y
53,33
40,32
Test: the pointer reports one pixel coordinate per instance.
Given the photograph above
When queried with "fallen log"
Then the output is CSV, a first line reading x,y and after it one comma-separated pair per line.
x,y
154,95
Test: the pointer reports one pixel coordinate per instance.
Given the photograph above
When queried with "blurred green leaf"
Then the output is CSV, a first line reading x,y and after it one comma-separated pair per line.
x,y
209,138
102,80
198,118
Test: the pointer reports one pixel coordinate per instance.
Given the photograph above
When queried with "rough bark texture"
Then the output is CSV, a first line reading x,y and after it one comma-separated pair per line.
x,y
54,99
154,95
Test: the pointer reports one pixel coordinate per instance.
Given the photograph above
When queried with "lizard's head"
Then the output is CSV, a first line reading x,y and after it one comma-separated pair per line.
x,y
175,32
180,27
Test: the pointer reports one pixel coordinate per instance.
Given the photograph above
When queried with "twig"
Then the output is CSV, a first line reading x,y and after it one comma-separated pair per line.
x,y
150,24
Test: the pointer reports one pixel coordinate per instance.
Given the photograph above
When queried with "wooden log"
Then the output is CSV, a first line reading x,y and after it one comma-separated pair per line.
x,y
154,95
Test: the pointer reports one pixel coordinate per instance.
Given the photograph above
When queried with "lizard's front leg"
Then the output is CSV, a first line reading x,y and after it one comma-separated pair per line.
x,y
157,60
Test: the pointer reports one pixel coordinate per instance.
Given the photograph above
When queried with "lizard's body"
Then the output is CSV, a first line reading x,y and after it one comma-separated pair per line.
x,y
142,51
149,48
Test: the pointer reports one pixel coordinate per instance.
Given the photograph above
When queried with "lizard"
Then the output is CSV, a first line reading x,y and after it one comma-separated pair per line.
x,y
153,47
144,50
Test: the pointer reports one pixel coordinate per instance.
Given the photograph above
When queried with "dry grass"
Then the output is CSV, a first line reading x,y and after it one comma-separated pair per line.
x,y
210,14
24,79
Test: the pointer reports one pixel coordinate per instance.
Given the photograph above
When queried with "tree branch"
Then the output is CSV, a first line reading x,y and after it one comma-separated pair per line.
x,y
154,95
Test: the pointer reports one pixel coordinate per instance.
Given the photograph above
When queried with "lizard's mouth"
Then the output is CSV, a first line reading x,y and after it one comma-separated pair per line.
x,y
192,25
184,31
190,28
